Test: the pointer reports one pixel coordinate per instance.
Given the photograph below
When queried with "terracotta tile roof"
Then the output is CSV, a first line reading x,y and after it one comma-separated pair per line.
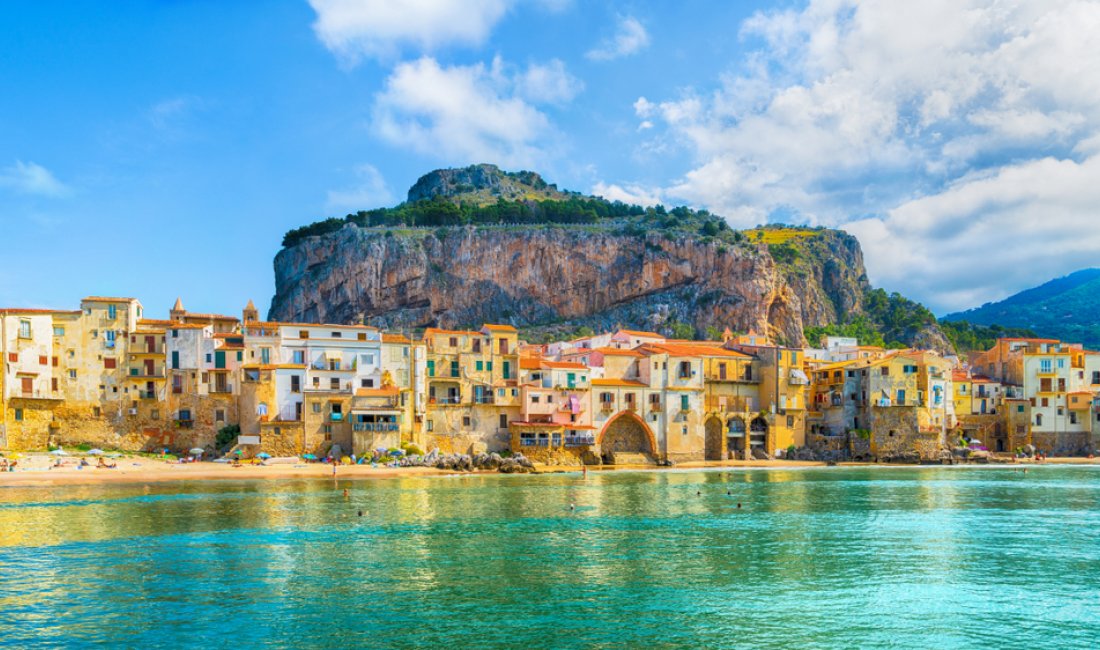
x,y
563,365
377,392
653,335
22,310
105,299
498,328
210,316
395,338
604,381
617,352
274,366
154,321
435,331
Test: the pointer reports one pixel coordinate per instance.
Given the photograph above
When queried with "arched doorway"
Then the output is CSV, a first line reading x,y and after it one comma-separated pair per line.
x,y
625,437
735,437
712,445
758,433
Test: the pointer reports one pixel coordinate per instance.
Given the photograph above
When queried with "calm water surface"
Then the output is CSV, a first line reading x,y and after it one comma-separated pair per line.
x,y
823,558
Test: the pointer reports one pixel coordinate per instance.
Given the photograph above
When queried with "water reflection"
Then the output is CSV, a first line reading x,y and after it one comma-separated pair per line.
x,y
907,557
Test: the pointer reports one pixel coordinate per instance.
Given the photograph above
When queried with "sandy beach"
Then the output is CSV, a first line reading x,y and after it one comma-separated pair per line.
x,y
36,470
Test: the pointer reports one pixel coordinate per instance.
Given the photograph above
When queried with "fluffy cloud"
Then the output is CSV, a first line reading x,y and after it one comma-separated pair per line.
x,y
353,29
472,113
919,113
550,83
31,178
630,37
369,191
632,194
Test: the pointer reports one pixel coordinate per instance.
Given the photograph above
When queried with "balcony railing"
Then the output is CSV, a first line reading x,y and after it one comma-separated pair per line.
x,y
534,442
484,399
375,427
185,424
147,394
445,400
580,440
228,388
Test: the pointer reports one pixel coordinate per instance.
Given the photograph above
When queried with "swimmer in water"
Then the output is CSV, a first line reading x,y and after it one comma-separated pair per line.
x,y
698,493
738,506
728,493
360,513
346,494
572,506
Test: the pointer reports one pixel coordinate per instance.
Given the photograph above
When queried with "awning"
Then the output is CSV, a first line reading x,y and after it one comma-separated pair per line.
x,y
366,410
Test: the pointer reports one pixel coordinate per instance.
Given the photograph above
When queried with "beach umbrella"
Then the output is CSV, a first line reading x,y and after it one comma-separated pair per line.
x,y
59,452
198,451
113,454
238,452
263,454
309,456
94,452
974,441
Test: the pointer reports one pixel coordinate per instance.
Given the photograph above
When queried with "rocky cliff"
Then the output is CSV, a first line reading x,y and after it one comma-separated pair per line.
x,y
658,274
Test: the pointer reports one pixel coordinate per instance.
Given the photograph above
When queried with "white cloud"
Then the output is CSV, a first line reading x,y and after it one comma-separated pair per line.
x,y
549,83
630,37
369,191
632,194
353,29
871,107
471,114
31,178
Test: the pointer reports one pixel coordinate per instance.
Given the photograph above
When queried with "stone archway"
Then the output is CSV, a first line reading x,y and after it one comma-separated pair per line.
x,y
758,433
627,435
736,437
712,445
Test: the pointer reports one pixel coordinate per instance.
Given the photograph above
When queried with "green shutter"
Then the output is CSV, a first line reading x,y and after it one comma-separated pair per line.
x,y
454,369
572,379
431,368
507,370
219,358
489,366
479,365
683,402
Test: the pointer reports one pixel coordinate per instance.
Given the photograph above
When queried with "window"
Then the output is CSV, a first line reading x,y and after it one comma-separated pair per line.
x,y
453,342
337,335
1044,365
175,360
18,415
298,357
503,421
1038,419
295,383
606,398
334,383
466,421
1096,377
316,407
884,371
684,403
95,411
790,420
367,359
1073,417
1046,401
43,360
685,369
1020,408
366,383
278,431
110,363
110,336
361,336
59,331
13,357
454,369
1061,363
112,311
72,374
431,425
303,334
175,334
431,368
478,365
219,415
534,399
489,366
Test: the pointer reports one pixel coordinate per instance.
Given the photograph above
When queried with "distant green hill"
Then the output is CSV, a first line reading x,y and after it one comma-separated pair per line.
x,y
1066,308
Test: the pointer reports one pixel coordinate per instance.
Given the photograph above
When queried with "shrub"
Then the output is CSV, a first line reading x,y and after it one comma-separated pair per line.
x,y
227,434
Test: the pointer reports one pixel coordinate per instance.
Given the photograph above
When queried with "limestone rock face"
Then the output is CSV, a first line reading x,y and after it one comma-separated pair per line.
x,y
553,276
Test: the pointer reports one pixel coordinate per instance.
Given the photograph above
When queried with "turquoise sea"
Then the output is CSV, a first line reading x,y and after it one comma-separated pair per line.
x,y
898,557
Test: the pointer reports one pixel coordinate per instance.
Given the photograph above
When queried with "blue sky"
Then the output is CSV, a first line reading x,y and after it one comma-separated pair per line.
x,y
158,149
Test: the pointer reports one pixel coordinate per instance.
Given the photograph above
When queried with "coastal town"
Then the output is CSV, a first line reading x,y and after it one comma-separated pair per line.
x,y
108,376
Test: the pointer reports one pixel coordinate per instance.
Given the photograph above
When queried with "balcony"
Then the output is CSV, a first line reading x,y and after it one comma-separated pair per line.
x,y
226,389
375,427
38,394
336,417
607,407
484,399
728,404
185,424
580,440
445,401
147,394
